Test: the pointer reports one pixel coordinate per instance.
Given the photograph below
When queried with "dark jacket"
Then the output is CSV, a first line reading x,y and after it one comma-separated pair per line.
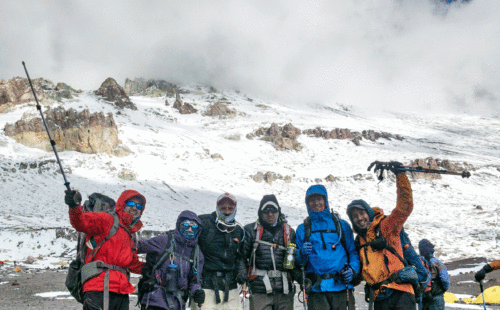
x,y
221,251
264,257
187,280
117,250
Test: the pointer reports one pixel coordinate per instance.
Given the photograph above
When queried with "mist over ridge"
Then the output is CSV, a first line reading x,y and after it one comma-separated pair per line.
x,y
398,55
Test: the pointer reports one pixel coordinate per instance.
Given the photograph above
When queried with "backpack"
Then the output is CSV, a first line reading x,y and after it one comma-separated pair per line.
x,y
79,272
414,271
147,282
259,231
338,230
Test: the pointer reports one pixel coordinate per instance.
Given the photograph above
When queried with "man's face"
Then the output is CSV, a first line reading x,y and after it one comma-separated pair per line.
x,y
360,218
226,207
270,215
133,209
316,203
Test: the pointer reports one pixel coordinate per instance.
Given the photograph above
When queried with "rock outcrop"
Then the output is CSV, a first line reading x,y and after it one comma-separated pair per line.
x,y
111,91
221,110
149,88
183,107
354,136
71,130
283,138
17,91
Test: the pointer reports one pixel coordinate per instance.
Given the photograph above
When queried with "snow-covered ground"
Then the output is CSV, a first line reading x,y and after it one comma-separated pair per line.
x,y
175,172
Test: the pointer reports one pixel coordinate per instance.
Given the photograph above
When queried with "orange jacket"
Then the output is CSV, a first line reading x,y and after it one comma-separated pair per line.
x,y
115,251
495,265
374,269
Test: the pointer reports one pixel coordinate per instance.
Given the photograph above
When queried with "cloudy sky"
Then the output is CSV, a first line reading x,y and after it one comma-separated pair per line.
x,y
403,54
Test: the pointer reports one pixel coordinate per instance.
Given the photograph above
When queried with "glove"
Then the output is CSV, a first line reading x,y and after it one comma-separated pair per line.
x,y
72,198
199,296
482,273
241,278
394,165
306,249
347,275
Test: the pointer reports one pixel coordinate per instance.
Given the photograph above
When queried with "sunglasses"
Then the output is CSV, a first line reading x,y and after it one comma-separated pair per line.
x,y
187,226
133,204
269,210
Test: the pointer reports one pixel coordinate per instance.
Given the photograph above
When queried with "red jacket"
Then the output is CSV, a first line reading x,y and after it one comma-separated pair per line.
x,y
117,250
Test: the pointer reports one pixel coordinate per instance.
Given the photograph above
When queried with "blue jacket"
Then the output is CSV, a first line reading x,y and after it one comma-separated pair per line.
x,y
332,259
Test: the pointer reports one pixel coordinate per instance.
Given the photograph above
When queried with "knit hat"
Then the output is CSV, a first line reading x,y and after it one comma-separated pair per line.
x,y
425,247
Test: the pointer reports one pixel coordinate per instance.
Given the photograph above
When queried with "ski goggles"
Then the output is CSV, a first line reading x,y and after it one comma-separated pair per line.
x,y
223,227
133,204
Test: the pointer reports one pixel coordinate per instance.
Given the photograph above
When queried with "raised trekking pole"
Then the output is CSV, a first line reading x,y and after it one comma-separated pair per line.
x,y
482,293
52,142
381,166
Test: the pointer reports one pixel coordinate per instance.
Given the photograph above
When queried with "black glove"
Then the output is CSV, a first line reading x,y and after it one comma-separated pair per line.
x,y
482,273
241,277
72,198
394,167
199,296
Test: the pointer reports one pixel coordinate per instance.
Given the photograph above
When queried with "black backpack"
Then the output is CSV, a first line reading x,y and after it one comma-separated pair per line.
x,y
77,274
147,282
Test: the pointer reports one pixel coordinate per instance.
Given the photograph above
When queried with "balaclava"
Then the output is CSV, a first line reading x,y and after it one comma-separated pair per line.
x,y
426,248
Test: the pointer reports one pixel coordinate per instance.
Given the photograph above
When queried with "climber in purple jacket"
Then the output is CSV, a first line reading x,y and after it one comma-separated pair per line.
x,y
178,276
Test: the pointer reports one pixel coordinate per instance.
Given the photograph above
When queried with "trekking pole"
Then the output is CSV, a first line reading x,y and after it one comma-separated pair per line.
x,y
380,165
347,287
244,291
304,295
52,142
482,294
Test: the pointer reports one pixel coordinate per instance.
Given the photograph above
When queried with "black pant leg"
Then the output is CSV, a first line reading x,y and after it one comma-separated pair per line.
x,y
94,300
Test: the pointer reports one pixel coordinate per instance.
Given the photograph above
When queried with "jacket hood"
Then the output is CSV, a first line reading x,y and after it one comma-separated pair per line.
x,y
177,234
125,217
360,204
318,190
264,202
426,248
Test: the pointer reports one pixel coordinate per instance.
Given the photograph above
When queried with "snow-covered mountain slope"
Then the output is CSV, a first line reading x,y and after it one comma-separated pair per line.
x,y
175,172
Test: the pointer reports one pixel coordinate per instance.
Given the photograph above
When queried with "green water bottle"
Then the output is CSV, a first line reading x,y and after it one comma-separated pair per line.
x,y
289,262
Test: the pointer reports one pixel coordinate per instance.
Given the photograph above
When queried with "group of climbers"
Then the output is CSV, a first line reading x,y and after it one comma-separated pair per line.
x,y
206,257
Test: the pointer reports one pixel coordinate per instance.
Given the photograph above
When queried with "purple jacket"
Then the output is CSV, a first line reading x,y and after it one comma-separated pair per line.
x,y
183,247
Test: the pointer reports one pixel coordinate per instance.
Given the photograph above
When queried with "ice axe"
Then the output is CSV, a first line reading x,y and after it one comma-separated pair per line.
x,y
52,142
381,166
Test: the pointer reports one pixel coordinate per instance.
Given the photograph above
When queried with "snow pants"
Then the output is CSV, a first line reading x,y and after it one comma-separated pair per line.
x,y
398,300
271,301
93,300
330,300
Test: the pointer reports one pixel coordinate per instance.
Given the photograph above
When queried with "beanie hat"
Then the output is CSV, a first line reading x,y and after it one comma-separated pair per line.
x,y
269,201
425,247
226,218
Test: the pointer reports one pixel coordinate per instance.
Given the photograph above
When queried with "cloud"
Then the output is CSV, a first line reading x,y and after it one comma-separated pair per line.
x,y
395,54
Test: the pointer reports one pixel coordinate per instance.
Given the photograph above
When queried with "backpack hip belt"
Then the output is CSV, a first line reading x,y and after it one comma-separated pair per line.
x,y
267,274
95,268
318,278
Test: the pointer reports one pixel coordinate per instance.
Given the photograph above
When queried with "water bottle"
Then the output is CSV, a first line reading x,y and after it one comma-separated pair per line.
x,y
171,279
289,262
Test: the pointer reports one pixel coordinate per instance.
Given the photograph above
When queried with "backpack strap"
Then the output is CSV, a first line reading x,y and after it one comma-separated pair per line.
x,y
112,232
195,261
287,230
338,230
